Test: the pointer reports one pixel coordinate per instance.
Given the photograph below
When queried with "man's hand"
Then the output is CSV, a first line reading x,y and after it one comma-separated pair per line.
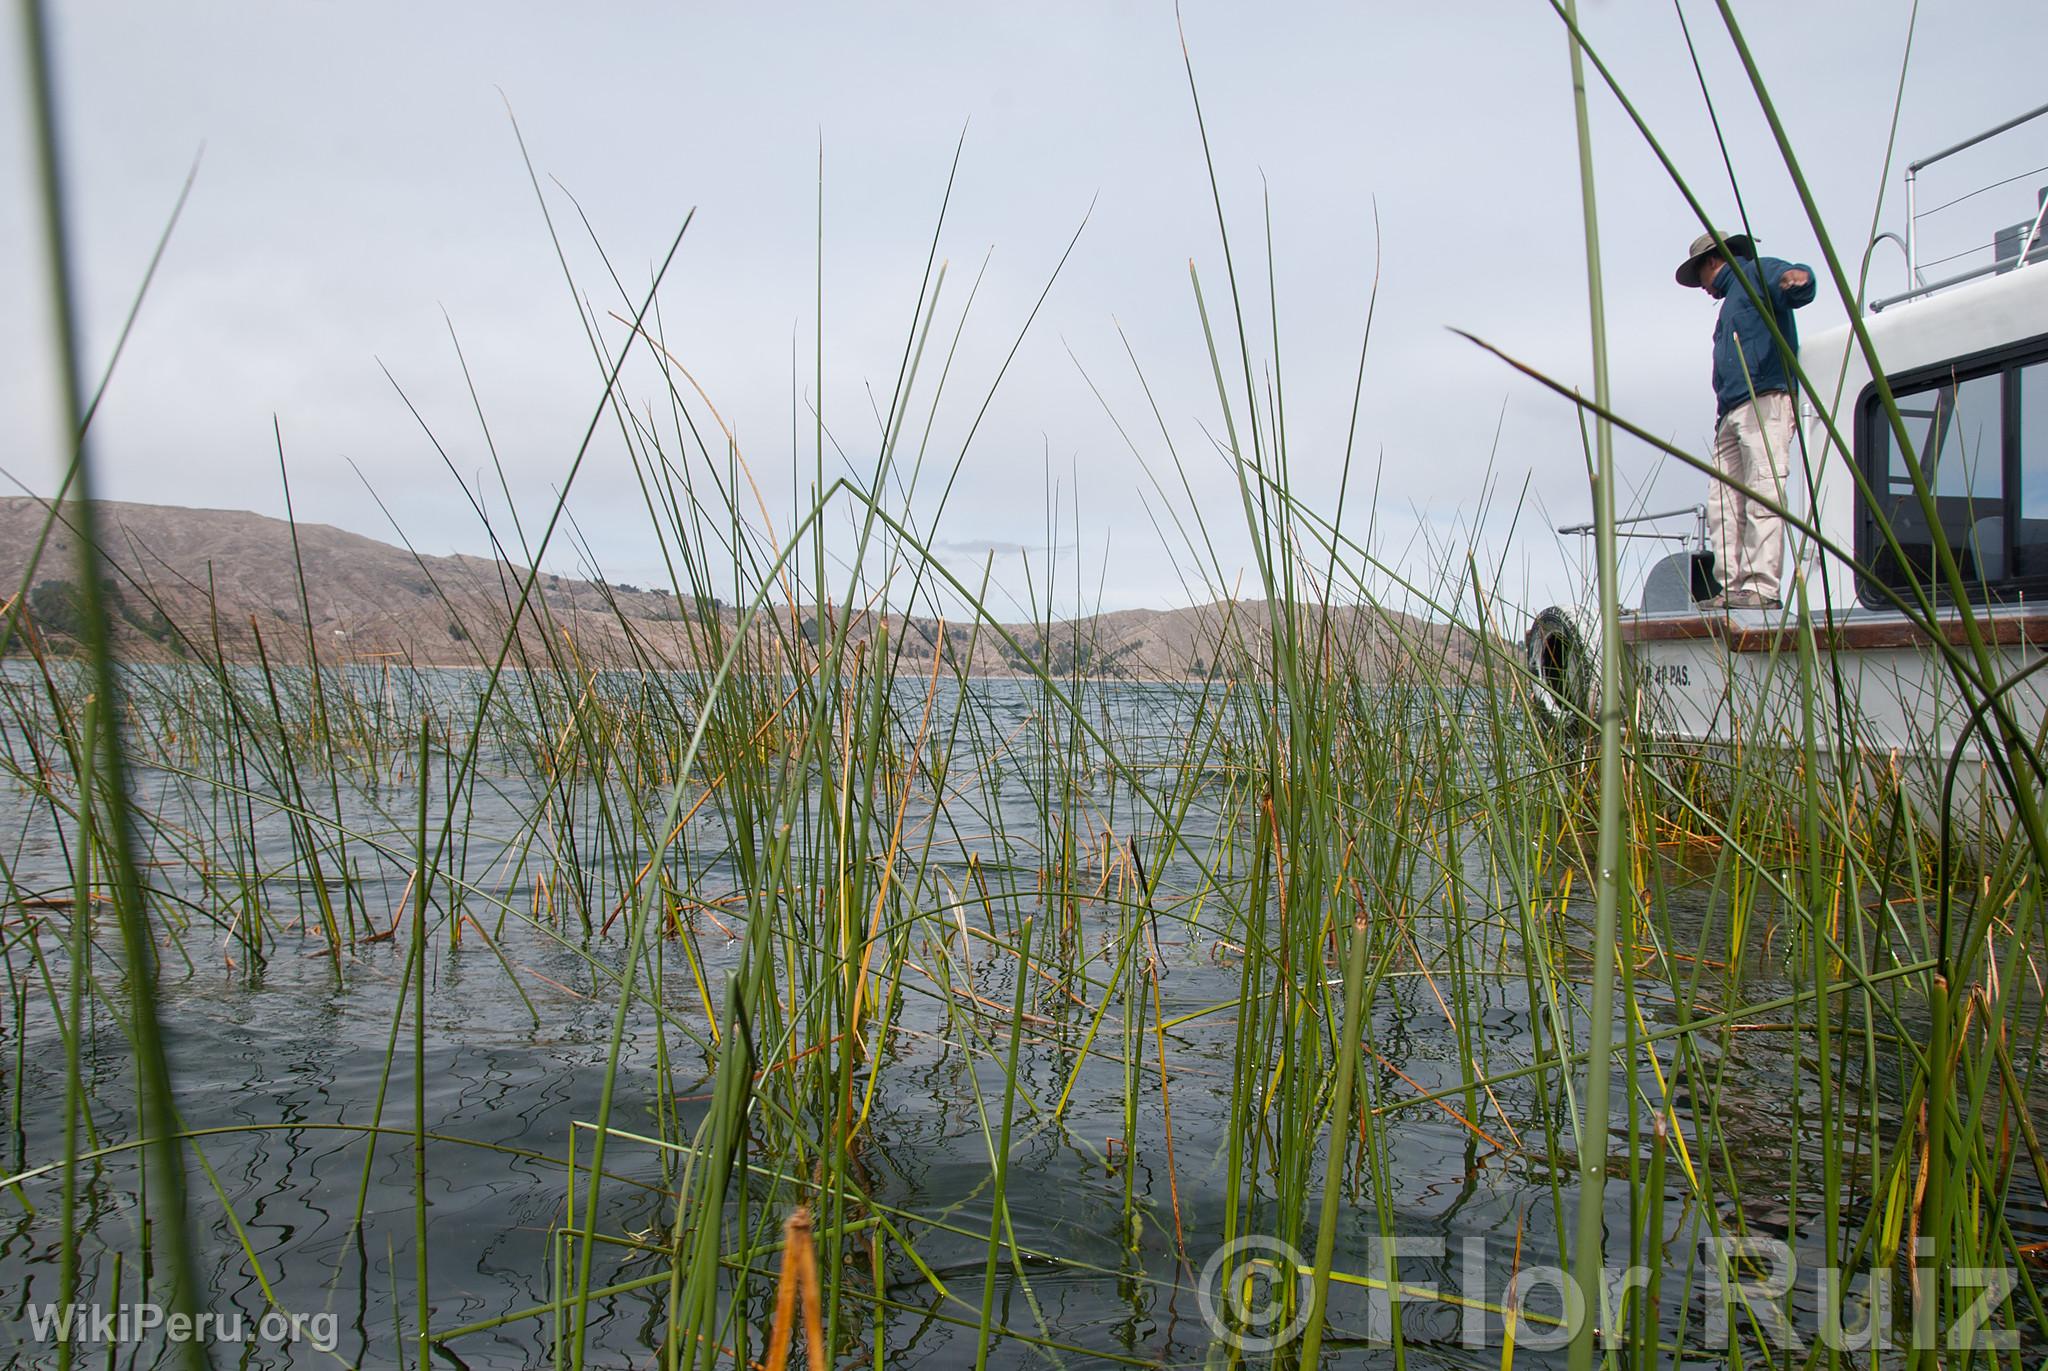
x,y
1794,279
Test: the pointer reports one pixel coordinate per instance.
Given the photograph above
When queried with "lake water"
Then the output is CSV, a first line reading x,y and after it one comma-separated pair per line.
x,y
276,1065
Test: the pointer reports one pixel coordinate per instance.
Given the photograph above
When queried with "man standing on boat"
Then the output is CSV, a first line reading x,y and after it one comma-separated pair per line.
x,y
1753,393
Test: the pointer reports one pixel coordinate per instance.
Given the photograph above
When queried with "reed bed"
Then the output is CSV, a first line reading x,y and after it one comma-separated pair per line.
x,y
929,1015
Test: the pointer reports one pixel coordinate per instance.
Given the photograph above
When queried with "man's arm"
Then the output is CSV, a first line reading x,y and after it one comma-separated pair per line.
x,y
1793,282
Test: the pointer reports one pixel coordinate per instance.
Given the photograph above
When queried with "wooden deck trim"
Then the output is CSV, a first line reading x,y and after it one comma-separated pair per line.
x,y
1853,634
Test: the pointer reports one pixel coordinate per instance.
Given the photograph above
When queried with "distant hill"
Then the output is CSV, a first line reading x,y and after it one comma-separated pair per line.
x,y
188,578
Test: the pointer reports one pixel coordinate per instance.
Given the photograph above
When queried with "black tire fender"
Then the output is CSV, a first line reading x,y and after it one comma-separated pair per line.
x,y
1561,653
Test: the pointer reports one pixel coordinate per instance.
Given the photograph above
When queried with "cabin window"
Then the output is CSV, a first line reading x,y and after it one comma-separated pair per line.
x,y
1979,432
2030,549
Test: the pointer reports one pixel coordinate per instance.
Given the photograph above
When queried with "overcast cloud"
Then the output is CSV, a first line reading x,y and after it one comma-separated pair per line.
x,y
361,177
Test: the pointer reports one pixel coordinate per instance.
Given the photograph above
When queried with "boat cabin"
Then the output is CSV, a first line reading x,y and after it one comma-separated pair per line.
x,y
1966,359
1968,367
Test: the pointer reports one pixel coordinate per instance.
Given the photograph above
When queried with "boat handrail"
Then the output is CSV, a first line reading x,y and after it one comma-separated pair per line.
x,y
1696,512
1985,269
1974,139
2027,249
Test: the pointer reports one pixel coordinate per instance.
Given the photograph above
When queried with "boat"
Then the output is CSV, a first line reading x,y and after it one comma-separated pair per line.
x,y
1966,357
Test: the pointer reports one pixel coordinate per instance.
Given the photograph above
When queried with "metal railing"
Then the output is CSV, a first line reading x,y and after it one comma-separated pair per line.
x,y
1915,286
1698,536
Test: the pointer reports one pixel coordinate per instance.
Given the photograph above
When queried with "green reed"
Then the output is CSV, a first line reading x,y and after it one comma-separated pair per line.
x,y
783,847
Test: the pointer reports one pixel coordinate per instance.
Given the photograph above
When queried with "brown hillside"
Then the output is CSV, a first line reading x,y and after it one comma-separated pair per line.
x,y
186,576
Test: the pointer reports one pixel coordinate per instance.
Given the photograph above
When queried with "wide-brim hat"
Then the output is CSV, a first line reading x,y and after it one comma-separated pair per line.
x,y
1705,246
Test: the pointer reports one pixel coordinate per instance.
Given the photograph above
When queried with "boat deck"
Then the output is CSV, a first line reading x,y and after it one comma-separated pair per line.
x,y
1858,630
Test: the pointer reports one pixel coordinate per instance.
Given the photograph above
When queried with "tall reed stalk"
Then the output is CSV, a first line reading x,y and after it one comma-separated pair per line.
x,y
912,1009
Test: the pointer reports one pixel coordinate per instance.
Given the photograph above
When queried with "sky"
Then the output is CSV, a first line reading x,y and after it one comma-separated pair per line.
x,y
362,209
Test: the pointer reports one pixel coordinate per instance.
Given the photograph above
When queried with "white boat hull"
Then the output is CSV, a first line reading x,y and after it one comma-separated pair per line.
x,y
1880,689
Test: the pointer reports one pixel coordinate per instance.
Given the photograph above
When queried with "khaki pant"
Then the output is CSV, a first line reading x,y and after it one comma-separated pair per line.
x,y
1752,445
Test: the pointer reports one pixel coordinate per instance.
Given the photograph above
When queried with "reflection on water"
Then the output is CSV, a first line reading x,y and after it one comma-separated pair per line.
x,y
270,1057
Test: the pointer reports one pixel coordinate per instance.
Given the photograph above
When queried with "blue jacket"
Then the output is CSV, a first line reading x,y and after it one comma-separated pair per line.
x,y
1746,359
